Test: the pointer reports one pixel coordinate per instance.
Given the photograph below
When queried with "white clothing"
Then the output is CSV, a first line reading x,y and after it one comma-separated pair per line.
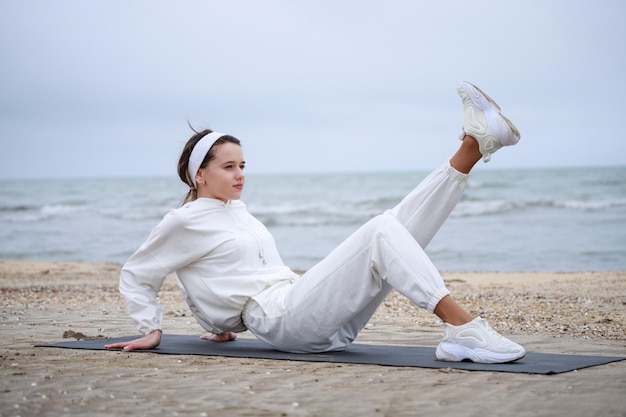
x,y
221,255
332,302
233,277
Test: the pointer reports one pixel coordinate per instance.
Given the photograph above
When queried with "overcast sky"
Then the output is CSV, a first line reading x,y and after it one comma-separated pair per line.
x,y
105,88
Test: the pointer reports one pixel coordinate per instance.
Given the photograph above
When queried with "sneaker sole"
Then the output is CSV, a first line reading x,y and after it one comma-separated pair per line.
x,y
449,352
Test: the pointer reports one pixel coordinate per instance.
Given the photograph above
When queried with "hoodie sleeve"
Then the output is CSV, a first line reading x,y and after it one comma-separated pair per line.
x,y
169,247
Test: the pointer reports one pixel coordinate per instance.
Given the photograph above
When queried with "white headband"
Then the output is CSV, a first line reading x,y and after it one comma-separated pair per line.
x,y
199,152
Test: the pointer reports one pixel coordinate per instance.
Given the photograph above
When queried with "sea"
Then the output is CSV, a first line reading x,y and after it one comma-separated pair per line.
x,y
557,219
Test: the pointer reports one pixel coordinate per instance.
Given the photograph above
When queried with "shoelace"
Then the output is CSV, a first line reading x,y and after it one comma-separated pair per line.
x,y
489,329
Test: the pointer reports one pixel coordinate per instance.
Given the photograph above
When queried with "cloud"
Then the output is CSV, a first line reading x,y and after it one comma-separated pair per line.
x,y
308,86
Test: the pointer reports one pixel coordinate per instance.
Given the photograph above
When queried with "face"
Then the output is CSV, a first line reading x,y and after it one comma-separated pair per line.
x,y
223,177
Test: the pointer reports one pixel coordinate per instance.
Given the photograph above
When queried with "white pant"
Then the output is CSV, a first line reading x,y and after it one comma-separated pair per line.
x,y
327,307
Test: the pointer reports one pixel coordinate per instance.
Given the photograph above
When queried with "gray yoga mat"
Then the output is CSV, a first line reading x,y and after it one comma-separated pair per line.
x,y
386,355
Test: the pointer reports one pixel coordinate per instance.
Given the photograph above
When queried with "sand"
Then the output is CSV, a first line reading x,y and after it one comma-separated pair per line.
x,y
577,312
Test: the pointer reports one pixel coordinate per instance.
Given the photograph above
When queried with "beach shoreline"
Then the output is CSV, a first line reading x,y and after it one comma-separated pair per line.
x,y
568,312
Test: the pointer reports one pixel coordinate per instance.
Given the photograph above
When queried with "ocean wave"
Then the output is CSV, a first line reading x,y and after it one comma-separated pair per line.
x,y
28,214
63,209
357,212
135,213
17,208
594,205
481,207
313,217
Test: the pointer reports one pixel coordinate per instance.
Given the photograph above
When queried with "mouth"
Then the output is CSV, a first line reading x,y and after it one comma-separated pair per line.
x,y
239,187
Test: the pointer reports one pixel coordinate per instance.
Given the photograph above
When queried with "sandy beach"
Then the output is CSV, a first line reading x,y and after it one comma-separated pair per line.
x,y
42,302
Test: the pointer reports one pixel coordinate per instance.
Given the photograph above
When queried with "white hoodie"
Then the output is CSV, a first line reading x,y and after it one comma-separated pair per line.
x,y
222,256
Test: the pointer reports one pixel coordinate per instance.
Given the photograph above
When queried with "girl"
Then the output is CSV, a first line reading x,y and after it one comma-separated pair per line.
x,y
233,278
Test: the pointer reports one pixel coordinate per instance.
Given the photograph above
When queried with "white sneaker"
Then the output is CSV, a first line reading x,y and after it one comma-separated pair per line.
x,y
478,342
483,121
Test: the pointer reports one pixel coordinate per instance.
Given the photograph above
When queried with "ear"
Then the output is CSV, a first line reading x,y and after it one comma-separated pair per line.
x,y
200,177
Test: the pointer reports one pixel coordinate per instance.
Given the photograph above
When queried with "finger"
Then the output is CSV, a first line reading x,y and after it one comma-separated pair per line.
x,y
119,345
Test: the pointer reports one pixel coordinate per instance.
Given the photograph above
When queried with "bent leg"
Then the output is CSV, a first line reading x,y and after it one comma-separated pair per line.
x,y
330,304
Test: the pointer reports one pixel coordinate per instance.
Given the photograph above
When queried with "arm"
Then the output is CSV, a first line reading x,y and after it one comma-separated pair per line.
x,y
168,248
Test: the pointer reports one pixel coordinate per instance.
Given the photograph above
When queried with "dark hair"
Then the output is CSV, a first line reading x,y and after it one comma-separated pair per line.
x,y
183,162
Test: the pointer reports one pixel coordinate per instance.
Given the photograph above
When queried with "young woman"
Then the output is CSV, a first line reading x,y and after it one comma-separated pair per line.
x,y
233,278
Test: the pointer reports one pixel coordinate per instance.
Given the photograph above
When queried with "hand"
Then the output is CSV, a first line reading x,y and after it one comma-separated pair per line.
x,y
149,341
223,337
